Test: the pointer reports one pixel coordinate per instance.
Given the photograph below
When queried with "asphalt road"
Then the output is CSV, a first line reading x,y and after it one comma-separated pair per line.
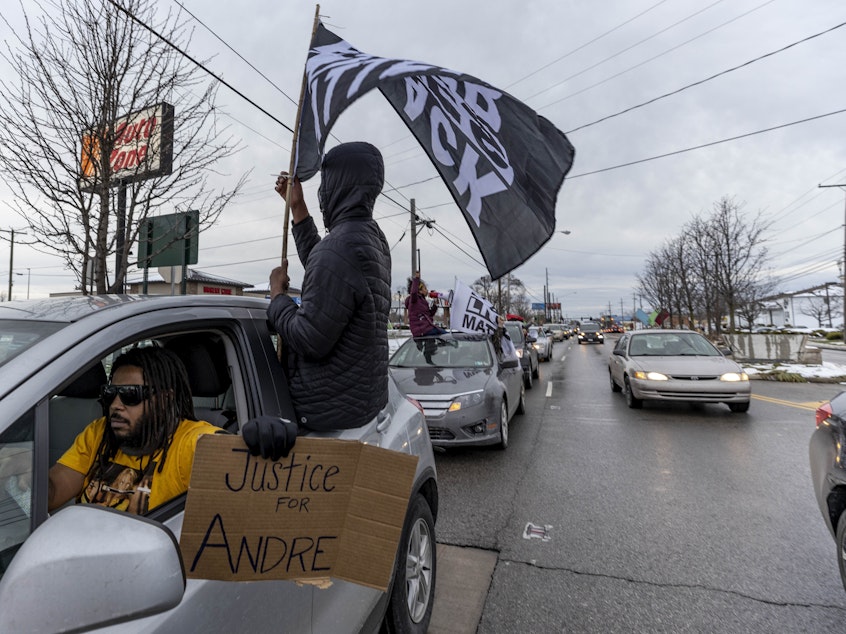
x,y
672,518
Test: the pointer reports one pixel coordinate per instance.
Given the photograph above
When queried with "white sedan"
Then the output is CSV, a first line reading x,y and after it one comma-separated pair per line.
x,y
676,365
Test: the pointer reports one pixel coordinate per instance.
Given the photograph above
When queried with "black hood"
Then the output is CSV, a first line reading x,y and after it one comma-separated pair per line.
x,y
352,176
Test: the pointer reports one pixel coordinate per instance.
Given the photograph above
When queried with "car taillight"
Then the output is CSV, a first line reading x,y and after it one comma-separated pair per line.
x,y
824,412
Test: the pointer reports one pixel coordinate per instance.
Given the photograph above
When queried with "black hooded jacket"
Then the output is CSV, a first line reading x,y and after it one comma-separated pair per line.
x,y
337,340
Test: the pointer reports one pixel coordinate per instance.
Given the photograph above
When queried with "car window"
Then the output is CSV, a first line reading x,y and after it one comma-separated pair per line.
x,y
444,353
16,466
515,332
18,335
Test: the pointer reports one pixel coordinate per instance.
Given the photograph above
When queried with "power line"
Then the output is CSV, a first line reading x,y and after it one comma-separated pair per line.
x,y
707,79
585,45
704,145
625,50
140,22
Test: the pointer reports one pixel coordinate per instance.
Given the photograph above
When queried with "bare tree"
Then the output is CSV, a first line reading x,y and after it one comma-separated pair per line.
x,y
822,307
739,257
508,294
752,301
81,67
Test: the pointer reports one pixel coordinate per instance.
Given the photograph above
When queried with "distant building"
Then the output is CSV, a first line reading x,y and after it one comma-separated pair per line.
x,y
160,282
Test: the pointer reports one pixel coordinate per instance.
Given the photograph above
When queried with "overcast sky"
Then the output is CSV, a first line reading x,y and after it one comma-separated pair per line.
x,y
575,64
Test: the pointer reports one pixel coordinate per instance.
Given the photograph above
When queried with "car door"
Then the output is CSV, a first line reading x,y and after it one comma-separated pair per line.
x,y
617,360
205,605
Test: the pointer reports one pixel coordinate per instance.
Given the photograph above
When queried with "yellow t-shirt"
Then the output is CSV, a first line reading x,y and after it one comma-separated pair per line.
x,y
133,483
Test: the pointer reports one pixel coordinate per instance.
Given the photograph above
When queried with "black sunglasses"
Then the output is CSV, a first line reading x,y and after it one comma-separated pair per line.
x,y
129,394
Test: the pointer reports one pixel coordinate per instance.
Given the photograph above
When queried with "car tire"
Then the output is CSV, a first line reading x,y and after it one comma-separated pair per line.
x,y
631,400
739,408
413,592
521,404
527,380
614,386
840,538
536,371
503,425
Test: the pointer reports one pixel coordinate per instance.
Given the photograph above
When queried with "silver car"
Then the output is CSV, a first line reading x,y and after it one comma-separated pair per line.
x,y
469,393
543,342
88,567
676,365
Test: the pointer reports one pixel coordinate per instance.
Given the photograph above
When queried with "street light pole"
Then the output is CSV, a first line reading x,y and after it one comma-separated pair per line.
x,y
843,280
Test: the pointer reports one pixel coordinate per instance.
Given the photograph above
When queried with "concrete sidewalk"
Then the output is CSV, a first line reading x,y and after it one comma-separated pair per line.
x,y
461,587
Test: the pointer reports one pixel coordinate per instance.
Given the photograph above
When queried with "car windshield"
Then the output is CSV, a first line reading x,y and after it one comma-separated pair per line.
x,y
515,331
443,352
589,327
671,345
18,335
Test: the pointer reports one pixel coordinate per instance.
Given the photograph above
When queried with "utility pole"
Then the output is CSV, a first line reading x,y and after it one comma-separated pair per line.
x,y
415,252
546,298
11,232
413,239
843,280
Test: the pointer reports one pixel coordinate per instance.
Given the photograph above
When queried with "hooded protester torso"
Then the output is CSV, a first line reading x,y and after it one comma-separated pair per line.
x,y
337,339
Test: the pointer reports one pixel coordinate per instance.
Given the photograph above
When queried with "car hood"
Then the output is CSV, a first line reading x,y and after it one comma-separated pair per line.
x,y
436,380
685,365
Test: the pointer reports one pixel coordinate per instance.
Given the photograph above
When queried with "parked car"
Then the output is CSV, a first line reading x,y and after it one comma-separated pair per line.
x,y
827,454
526,352
676,365
54,356
469,393
543,342
590,332
800,330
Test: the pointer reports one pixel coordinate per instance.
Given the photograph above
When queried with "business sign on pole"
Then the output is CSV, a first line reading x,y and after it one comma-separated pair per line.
x,y
142,148
171,240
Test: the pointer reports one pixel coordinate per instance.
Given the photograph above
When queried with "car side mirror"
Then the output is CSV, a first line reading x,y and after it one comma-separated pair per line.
x,y
510,362
71,573
531,339
621,353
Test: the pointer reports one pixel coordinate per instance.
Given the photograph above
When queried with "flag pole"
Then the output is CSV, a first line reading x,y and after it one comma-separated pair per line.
x,y
294,140
280,345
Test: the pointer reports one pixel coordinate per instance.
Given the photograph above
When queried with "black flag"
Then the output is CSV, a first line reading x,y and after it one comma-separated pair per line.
x,y
502,162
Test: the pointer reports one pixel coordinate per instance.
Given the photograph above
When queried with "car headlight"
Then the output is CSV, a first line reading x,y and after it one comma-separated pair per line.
x,y
734,376
650,376
536,346
519,353
466,400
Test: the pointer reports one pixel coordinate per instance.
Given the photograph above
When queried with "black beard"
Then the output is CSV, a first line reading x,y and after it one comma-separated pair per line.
x,y
133,445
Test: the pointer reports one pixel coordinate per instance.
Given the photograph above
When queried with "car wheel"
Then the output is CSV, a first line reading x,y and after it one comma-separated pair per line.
x,y
614,386
503,425
413,593
521,404
631,400
739,407
536,371
527,380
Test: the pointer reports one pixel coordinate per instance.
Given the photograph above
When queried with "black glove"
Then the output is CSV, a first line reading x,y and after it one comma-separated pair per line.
x,y
269,436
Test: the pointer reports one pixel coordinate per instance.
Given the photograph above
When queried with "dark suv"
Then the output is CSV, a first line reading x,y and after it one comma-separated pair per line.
x,y
590,332
525,350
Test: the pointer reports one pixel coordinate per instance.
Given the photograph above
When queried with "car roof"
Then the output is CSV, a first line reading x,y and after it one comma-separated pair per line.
x,y
72,309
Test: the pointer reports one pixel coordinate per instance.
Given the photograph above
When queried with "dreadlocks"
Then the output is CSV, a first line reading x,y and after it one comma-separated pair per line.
x,y
169,404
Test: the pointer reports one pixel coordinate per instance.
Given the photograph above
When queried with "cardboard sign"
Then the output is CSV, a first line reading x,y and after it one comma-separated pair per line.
x,y
332,508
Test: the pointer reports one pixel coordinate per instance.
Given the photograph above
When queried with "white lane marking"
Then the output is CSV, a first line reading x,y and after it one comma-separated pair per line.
x,y
549,389
564,357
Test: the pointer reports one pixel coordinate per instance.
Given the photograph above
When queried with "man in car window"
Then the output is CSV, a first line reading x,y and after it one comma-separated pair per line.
x,y
140,453
337,340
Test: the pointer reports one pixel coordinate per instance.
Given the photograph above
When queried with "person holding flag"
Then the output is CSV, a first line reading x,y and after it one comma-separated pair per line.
x,y
336,341
420,313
